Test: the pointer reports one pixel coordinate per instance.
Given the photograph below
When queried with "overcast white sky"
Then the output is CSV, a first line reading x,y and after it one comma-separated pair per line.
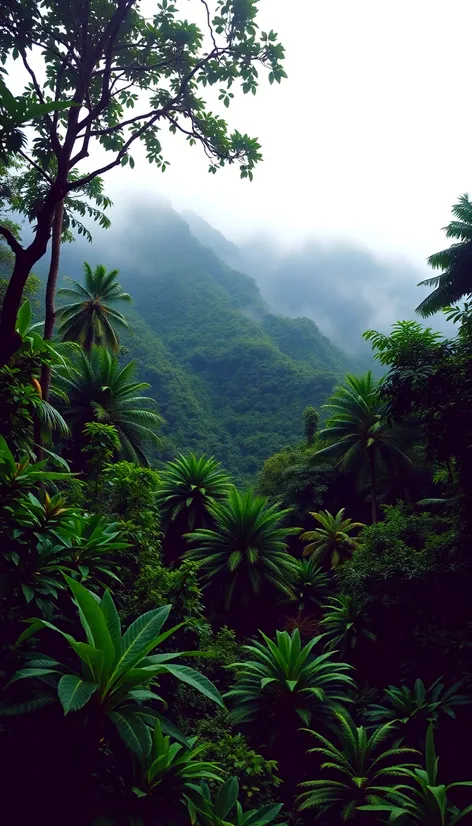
x,y
368,140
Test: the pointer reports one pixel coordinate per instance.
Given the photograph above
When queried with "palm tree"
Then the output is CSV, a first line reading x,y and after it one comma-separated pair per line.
x,y
358,763
344,624
100,390
455,280
357,432
331,542
309,585
91,319
245,551
190,484
282,682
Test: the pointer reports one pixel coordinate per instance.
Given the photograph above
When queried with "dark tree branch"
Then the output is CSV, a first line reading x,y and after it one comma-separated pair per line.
x,y
208,16
119,157
14,245
35,165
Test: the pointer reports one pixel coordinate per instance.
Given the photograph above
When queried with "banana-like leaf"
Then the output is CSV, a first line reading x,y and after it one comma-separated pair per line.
x,y
74,692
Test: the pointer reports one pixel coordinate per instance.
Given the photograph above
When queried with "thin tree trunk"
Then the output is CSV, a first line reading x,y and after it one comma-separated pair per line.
x,y
10,340
50,316
373,485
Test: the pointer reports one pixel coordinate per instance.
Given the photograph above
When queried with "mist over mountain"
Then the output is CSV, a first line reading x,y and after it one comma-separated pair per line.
x,y
230,377
344,289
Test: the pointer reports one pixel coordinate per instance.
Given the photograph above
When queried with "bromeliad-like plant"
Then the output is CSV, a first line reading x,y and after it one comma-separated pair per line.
x,y
414,708
421,800
283,682
245,550
190,485
358,761
23,476
345,623
226,810
331,542
115,674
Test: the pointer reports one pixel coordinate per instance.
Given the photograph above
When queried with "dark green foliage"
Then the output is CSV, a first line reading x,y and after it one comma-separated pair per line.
x,y
91,318
414,708
244,555
309,585
345,625
331,544
421,800
357,762
311,420
454,282
283,682
190,485
99,389
101,443
226,810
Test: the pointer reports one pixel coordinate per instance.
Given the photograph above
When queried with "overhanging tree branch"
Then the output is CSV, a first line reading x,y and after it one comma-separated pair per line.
x,y
14,245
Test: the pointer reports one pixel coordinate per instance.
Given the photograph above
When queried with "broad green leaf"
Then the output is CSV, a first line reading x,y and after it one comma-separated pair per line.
x,y
226,797
112,619
196,680
139,639
91,657
134,732
96,622
74,692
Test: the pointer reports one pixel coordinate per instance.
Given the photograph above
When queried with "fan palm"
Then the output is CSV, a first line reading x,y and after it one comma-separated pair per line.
x,y
99,389
331,543
246,548
357,431
283,680
189,485
357,761
455,280
91,318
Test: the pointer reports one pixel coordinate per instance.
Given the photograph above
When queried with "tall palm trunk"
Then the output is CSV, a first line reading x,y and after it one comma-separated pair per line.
x,y
50,316
373,485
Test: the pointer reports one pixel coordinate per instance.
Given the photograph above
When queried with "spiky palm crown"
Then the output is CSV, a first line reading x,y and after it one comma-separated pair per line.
x,y
91,318
99,389
344,623
358,427
189,486
283,680
331,542
246,548
357,762
309,584
455,280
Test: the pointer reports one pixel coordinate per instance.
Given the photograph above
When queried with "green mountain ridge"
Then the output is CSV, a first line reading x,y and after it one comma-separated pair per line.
x,y
230,378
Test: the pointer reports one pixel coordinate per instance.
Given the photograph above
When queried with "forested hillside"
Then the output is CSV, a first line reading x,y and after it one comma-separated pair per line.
x,y
272,628
229,378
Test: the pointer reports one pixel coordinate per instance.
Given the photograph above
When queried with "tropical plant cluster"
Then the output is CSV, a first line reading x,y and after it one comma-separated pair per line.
x,y
177,649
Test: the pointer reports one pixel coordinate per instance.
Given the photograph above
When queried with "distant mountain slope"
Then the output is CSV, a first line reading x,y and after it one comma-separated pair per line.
x,y
229,378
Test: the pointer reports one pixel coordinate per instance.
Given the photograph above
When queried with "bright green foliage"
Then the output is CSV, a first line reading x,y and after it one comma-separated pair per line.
x,y
190,485
117,669
345,624
407,341
454,282
100,390
357,432
358,761
38,517
102,443
170,774
91,318
22,476
331,543
224,809
309,585
416,707
421,800
246,549
281,681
